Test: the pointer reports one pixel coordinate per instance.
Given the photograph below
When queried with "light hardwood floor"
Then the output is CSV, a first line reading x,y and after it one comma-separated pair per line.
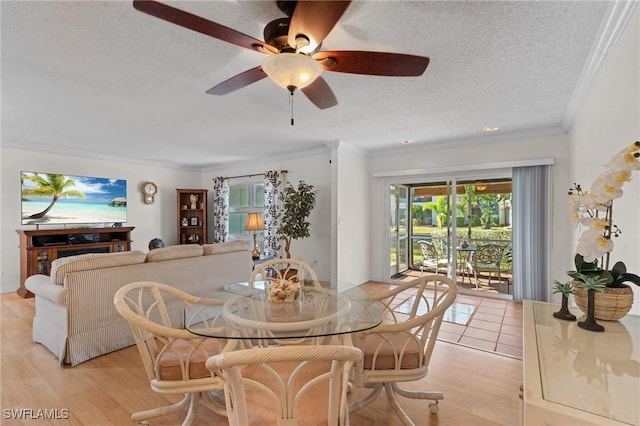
x,y
480,388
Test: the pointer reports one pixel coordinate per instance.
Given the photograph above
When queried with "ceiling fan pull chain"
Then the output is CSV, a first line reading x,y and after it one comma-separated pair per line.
x,y
291,104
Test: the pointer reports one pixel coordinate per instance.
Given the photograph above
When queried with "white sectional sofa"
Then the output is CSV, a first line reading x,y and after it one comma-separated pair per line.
x,y
75,317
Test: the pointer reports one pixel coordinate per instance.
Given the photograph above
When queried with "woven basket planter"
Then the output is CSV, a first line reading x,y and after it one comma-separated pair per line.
x,y
611,305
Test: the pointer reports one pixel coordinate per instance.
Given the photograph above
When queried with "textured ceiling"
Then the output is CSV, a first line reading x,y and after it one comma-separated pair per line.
x,y
103,79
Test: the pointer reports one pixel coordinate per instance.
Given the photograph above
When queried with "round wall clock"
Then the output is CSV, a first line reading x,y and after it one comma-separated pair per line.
x,y
149,190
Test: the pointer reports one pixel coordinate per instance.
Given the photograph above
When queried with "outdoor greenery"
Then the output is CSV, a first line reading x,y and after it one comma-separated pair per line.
x,y
484,208
478,221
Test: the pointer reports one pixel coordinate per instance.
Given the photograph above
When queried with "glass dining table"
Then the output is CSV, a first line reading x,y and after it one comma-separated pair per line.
x,y
243,311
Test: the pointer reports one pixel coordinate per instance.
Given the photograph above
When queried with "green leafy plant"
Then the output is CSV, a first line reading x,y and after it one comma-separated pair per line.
x,y
564,288
296,208
441,209
596,283
616,277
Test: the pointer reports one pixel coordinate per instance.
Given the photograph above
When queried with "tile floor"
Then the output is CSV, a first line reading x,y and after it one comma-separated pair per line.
x,y
484,323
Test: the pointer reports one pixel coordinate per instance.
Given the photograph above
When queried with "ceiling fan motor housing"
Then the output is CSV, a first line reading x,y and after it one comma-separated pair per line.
x,y
276,33
286,6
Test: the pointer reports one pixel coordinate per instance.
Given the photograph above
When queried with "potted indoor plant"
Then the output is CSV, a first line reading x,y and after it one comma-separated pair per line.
x,y
297,205
593,210
566,289
593,286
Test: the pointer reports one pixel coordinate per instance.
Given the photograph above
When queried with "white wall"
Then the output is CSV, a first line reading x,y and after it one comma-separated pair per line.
x,y
353,208
150,221
608,120
314,168
480,154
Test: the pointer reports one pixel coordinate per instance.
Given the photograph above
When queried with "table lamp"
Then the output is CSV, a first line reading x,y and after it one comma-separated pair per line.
x,y
254,223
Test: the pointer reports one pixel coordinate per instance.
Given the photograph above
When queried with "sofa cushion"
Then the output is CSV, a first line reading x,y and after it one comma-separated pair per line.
x,y
83,262
228,247
174,252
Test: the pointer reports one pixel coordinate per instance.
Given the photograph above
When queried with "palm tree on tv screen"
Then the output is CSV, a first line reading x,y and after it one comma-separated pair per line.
x,y
52,185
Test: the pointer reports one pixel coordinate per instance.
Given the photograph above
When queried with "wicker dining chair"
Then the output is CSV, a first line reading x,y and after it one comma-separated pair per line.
x,y
289,269
173,358
286,385
399,350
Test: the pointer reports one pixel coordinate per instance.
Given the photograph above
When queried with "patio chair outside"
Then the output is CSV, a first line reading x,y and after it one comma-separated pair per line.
x,y
431,259
486,259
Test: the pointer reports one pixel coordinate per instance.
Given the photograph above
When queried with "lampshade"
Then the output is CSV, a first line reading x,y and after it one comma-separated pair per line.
x,y
291,70
254,222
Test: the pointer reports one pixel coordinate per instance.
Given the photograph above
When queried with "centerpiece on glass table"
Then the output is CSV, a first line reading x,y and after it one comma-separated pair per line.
x,y
593,210
280,290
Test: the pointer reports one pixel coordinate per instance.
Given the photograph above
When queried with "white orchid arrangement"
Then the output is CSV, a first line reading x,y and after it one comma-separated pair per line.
x,y
593,209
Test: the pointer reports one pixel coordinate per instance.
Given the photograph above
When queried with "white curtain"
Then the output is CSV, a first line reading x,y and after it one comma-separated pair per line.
x,y
220,209
530,209
274,185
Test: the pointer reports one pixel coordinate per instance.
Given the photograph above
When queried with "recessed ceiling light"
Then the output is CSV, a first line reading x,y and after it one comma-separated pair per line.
x,y
407,142
491,128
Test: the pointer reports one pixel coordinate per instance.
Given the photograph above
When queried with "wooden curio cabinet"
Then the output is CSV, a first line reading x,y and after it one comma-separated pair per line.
x,y
192,216
38,248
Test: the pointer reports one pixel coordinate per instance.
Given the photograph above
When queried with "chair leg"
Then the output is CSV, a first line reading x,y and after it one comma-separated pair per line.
x,y
193,407
141,416
214,403
392,388
368,399
191,399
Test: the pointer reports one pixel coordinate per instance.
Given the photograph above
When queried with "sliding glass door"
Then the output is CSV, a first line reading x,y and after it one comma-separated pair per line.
x,y
398,228
431,210
463,217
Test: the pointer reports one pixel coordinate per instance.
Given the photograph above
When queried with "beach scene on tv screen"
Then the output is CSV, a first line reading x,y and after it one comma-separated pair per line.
x,y
49,198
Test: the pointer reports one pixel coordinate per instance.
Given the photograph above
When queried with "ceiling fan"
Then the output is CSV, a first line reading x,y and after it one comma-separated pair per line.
x,y
293,44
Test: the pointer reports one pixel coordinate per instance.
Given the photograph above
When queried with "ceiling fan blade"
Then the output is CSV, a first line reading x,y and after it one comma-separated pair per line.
x,y
320,94
201,25
373,63
238,82
315,19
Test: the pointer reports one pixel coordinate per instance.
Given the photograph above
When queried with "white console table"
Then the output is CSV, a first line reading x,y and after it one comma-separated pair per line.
x,y
578,377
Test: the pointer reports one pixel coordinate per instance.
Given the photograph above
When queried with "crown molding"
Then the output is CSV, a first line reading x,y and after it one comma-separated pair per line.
x,y
516,135
94,155
122,159
615,21
277,157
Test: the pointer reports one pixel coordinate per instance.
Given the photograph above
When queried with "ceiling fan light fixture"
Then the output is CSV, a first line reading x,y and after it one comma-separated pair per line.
x,y
291,70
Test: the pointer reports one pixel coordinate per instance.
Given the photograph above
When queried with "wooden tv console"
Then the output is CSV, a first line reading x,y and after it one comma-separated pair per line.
x,y
38,248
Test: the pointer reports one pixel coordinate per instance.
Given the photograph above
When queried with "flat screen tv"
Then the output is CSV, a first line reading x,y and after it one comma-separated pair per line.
x,y
50,199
